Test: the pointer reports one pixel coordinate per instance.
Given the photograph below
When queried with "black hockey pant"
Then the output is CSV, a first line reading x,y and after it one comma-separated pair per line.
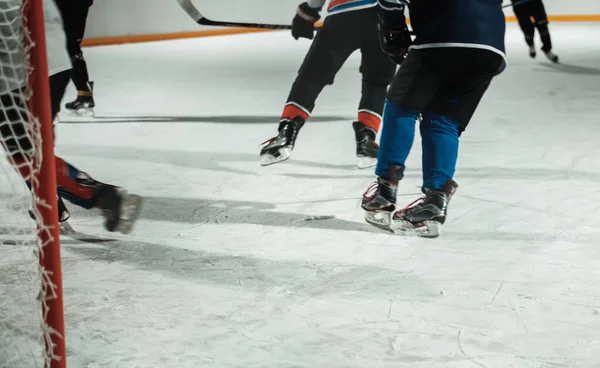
x,y
341,35
531,15
74,14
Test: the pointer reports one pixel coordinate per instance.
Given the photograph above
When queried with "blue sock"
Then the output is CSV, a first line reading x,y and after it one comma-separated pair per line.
x,y
439,136
397,136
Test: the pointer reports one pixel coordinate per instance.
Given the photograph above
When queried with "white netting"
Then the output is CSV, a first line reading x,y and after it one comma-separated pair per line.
x,y
25,286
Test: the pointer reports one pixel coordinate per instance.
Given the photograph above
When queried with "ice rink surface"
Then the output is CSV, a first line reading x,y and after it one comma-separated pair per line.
x,y
225,268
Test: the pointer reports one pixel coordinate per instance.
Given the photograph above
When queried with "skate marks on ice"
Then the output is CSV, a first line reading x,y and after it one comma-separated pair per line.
x,y
216,161
222,119
207,211
407,313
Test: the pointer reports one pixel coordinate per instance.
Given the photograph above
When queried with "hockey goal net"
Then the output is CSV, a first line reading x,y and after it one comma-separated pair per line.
x,y
31,311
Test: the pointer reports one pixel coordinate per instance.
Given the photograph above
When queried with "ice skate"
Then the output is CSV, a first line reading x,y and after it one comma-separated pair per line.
x,y
532,52
121,210
63,216
425,216
84,104
279,148
379,200
551,56
366,148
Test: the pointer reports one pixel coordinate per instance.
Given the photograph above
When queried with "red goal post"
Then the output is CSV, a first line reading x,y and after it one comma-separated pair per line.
x,y
17,230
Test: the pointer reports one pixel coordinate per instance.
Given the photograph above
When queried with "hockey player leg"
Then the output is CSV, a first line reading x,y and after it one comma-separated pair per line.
x,y
397,136
440,151
332,46
367,125
538,11
74,15
523,14
296,112
377,71
119,208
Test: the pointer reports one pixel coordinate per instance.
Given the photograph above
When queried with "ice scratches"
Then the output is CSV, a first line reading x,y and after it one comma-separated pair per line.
x,y
463,351
206,211
260,275
495,295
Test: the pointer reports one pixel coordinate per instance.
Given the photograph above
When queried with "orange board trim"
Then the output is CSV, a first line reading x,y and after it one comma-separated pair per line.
x,y
117,40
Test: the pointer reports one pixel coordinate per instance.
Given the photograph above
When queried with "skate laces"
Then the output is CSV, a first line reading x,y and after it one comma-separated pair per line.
x,y
371,191
410,205
269,141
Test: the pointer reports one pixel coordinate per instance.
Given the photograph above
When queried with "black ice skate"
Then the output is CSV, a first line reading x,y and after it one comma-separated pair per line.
x,y
379,201
279,148
551,56
63,215
121,210
425,216
532,52
84,104
366,148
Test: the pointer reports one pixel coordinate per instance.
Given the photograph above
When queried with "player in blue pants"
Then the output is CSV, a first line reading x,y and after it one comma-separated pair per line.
x,y
444,73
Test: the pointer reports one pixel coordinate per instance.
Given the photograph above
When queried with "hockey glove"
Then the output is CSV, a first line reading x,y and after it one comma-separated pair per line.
x,y
395,39
303,24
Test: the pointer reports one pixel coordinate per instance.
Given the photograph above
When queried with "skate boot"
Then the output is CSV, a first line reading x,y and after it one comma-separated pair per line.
x,y
279,148
63,215
366,148
551,56
84,104
379,200
425,216
532,52
121,210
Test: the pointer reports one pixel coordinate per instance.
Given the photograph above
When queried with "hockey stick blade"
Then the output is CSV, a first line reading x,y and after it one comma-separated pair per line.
x,y
191,10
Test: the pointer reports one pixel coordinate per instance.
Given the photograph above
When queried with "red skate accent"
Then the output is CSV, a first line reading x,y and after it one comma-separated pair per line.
x,y
292,109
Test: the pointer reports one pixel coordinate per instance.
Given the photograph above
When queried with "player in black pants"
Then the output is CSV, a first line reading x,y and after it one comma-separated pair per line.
x,y
525,11
74,14
343,32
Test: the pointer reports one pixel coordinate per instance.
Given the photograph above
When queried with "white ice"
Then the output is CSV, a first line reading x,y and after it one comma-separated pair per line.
x,y
225,270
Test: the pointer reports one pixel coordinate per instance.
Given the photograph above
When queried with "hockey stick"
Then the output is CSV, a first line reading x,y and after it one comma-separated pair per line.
x,y
202,20
193,12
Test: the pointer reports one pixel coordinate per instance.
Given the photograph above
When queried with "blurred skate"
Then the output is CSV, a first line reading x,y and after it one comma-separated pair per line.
x,y
279,148
366,148
120,209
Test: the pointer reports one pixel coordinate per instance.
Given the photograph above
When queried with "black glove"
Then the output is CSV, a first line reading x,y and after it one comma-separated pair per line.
x,y
303,24
394,38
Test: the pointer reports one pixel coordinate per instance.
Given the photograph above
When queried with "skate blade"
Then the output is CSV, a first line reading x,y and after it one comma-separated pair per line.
x,y
428,229
380,219
130,211
66,228
365,162
269,159
87,112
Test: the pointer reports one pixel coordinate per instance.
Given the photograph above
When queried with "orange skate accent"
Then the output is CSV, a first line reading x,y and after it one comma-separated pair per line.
x,y
370,119
291,110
